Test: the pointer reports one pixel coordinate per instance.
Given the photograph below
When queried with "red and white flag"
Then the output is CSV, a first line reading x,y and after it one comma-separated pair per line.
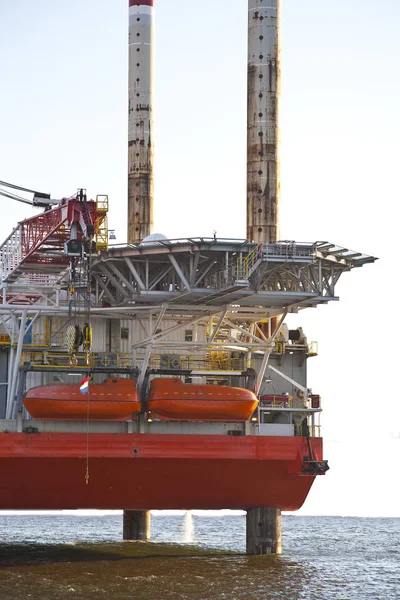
x,y
84,386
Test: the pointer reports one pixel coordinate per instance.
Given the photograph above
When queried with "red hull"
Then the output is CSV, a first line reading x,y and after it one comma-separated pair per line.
x,y
47,471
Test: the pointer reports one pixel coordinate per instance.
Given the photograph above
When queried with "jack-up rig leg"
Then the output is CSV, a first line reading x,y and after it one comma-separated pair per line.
x,y
263,531
136,525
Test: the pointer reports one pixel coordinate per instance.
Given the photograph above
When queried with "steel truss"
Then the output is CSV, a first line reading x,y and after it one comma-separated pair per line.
x,y
239,291
32,258
220,272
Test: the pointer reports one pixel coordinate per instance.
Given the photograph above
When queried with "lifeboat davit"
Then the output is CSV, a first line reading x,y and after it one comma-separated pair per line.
x,y
112,400
172,400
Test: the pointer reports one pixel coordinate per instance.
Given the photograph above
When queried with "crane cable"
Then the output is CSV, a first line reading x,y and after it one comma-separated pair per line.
x,y
14,197
89,351
18,187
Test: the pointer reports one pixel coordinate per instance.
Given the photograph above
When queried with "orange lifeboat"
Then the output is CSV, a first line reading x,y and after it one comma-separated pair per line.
x,y
172,400
112,400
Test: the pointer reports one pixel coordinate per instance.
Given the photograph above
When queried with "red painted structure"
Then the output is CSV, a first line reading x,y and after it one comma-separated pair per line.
x,y
133,471
52,228
36,247
172,400
141,2
112,400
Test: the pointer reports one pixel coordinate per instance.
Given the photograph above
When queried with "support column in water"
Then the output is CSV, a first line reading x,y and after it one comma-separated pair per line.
x,y
263,531
136,525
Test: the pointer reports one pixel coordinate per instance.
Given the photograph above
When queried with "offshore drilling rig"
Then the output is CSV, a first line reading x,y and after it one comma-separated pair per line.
x,y
206,403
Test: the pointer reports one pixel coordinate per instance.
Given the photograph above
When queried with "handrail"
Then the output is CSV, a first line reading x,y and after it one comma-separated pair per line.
x,y
276,401
244,265
101,222
197,363
314,430
61,360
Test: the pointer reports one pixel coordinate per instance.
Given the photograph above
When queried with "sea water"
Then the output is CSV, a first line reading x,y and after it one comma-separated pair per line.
x,y
196,557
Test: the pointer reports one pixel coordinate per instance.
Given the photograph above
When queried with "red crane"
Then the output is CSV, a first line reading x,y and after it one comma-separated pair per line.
x,y
42,246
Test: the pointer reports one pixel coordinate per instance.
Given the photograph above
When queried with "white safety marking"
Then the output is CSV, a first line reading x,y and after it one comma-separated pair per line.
x,y
141,10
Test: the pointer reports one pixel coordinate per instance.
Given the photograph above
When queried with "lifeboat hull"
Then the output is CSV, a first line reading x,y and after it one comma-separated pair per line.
x,y
113,400
171,400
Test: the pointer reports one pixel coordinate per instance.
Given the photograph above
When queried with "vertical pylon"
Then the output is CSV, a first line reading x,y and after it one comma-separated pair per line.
x,y
263,186
140,136
263,531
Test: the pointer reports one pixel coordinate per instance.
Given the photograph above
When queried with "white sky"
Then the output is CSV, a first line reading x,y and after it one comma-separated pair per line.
x,y
63,125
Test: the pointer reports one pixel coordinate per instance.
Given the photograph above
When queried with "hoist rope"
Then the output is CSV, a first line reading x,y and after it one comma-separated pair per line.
x,y
89,352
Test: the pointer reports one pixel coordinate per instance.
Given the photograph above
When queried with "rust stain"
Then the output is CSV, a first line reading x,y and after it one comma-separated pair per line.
x,y
263,128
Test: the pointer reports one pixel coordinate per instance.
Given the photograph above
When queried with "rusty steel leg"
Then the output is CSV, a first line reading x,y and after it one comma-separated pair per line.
x,y
136,525
263,531
140,120
264,80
